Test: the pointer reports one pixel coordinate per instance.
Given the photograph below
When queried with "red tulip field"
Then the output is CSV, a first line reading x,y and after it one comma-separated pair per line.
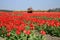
x,y
29,26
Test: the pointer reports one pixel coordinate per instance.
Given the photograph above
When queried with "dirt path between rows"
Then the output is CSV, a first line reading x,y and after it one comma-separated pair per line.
x,y
48,37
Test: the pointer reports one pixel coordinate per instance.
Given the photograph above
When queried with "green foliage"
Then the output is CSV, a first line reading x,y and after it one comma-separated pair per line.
x,y
54,10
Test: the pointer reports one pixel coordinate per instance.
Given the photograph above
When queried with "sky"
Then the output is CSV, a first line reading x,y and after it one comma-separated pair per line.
x,y
24,4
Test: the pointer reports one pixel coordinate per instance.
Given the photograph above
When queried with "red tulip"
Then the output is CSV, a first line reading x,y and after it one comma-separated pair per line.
x,y
3,32
18,32
27,32
8,34
24,31
31,26
42,32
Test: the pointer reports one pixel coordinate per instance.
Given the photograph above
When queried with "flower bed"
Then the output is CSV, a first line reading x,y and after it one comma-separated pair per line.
x,y
23,26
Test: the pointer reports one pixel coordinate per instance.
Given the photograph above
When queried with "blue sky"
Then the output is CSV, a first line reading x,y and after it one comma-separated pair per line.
x,y
24,4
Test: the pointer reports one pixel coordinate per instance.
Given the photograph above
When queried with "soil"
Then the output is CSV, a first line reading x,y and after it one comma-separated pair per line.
x,y
1,38
48,37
